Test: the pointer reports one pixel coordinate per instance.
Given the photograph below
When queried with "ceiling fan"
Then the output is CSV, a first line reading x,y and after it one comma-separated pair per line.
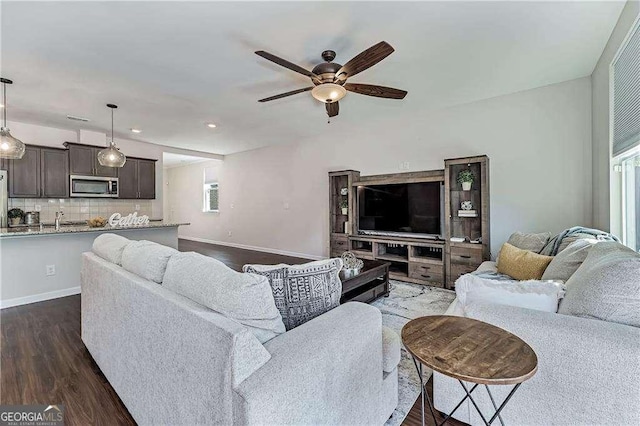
x,y
330,78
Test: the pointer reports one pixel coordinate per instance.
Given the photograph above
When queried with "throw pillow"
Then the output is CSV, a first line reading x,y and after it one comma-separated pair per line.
x,y
110,247
147,259
538,295
245,298
606,286
529,241
566,262
302,292
522,264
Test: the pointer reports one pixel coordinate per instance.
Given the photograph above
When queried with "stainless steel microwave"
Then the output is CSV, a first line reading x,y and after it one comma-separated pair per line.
x,y
93,187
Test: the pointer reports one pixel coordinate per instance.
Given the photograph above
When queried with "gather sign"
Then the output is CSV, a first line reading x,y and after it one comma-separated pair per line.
x,y
131,219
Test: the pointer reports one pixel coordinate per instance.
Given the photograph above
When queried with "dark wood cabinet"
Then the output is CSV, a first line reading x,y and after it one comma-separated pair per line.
x,y
128,179
54,171
24,175
44,172
137,179
147,179
83,160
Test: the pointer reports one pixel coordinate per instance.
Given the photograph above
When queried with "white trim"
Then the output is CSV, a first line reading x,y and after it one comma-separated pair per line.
x,y
255,248
8,303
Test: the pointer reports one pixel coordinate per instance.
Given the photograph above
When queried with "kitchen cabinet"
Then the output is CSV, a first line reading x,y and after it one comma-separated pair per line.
x,y
83,160
128,179
137,179
24,175
147,179
54,173
42,172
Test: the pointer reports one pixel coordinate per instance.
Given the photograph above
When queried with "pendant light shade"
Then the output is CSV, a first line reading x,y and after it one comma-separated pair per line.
x,y
111,156
10,147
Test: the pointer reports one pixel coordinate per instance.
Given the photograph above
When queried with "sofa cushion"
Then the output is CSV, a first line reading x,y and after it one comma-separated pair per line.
x,y
390,350
522,264
147,259
532,294
566,262
529,241
606,286
110,247
245,298
302,292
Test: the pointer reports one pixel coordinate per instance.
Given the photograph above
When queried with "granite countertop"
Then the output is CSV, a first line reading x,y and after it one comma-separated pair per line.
x,y
76,227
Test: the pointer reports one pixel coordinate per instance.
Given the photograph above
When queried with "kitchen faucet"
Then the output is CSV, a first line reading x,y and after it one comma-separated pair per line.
x,y
58,217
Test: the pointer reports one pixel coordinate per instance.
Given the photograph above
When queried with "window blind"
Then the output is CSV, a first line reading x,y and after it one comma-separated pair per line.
x,y
626,95
213,197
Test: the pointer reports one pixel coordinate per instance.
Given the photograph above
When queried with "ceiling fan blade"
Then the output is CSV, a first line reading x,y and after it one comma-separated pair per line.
x,y
284,95
332,109
286,64
378,91
365,60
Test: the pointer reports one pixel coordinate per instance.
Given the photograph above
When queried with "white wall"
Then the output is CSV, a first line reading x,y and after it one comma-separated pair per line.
x,y
539,143
606,186
34,134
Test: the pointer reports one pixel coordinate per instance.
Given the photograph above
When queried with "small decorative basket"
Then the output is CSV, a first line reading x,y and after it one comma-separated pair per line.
x,y
97,222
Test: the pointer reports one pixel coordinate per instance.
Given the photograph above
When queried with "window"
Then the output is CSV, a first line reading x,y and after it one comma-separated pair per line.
x,y
630,168
210,197
625,138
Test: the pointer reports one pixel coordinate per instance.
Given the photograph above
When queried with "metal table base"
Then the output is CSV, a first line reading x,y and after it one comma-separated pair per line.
x,y
468,393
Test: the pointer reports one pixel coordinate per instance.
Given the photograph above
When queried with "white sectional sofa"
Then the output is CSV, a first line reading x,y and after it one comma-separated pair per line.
x,y
588,368
174,361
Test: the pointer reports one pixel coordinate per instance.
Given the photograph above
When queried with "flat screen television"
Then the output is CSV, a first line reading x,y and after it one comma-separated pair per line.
x,y
409,208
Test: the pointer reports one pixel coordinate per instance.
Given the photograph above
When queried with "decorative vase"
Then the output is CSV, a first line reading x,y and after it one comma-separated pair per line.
x,y
16,220
466,186
345,210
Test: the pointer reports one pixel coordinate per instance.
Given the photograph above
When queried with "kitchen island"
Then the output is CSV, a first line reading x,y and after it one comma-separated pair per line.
x,y
42,263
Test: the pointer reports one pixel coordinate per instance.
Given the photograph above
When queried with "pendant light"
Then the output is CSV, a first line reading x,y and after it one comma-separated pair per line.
x,y
10,147
111,157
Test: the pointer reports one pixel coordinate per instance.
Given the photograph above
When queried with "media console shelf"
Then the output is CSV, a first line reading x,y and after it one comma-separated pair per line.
x,y
417,260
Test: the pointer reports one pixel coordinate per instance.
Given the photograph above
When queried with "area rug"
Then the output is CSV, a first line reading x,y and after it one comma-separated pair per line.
x,y
405,302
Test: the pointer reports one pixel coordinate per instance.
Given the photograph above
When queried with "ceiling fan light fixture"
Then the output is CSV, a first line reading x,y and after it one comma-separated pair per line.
x,y
328,92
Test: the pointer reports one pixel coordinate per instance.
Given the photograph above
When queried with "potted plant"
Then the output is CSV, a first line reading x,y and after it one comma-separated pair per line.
x,y
344,206
15,216
466,178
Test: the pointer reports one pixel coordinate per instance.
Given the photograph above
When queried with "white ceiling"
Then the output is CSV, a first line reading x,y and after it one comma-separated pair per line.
x,y
172,66
170,160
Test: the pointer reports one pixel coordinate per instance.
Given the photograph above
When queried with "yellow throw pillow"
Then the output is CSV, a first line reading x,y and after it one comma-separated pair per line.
x,y
522,264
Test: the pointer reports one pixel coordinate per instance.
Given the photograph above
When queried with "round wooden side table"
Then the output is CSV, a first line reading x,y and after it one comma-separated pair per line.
x,y
470,351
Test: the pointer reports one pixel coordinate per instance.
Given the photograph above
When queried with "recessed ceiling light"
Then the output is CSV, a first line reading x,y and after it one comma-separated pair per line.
x,y
136,130
211,125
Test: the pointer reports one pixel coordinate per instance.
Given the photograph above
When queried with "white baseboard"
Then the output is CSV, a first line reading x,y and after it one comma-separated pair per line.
x,y
247,247
8,303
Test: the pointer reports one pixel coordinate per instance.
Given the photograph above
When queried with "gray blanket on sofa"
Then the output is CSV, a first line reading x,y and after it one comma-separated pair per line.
x,y
567,236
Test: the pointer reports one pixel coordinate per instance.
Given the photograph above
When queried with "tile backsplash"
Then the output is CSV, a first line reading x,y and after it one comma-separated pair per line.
x,y
76,209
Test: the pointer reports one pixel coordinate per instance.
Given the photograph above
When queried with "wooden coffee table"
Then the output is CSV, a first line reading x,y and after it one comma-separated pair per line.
x,y
470,351
370,283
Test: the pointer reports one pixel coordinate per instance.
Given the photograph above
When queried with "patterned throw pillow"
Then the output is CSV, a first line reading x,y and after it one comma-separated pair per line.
x,y
302,292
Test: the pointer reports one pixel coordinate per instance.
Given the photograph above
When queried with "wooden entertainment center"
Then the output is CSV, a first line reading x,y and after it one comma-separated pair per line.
x,y
437,262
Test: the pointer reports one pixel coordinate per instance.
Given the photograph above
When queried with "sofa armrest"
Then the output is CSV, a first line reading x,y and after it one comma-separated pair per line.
x,y
328,370
588,370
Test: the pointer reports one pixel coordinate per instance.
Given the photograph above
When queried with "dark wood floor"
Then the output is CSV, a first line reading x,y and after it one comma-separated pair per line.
x,y
43,359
